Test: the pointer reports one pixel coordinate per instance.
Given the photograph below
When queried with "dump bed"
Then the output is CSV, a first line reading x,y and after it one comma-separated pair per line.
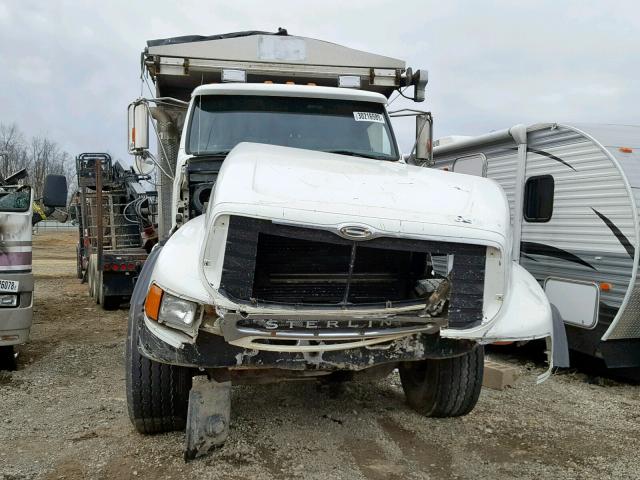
x,y
178,65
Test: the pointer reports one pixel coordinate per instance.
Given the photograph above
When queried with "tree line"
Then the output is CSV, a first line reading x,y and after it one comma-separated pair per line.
x,y
39,155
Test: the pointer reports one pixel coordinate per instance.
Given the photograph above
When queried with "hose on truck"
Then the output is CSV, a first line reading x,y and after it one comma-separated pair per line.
x,y
137,208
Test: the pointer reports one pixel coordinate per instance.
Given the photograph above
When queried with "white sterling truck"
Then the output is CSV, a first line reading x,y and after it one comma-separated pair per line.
x,y
16,280
299,241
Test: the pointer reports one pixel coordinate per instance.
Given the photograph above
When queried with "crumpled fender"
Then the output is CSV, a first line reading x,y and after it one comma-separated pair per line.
x,y
178,269
525,315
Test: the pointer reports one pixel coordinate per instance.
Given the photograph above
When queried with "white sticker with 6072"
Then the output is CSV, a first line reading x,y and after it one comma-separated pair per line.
x,y
368,117
9,286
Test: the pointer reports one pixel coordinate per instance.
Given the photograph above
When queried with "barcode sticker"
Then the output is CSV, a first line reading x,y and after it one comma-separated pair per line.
x,y
368,117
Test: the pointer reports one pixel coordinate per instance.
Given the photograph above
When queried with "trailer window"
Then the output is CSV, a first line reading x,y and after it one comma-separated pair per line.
x,y
471,165
538,198
219,122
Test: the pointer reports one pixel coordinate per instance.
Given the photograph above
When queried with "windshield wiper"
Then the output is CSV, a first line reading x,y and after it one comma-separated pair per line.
x,y
351,153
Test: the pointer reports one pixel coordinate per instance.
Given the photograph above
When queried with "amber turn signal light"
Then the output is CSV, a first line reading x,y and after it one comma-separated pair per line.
x,y
152,303
605,287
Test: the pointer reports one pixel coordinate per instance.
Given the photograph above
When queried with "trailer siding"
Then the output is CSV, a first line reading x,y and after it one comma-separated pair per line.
x,y
593,229
612,138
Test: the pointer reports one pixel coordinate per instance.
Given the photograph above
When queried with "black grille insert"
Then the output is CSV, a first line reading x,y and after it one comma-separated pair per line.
x,y
292,270
270,263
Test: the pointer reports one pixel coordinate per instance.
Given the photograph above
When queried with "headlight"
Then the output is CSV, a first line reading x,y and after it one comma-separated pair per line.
x,y
8,300
177,312
173,311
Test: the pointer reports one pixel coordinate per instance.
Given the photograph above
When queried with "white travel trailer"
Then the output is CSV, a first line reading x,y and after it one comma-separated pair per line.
x,y
573,192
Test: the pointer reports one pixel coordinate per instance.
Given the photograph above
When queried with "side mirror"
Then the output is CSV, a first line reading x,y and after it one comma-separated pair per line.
x,y
424,139
138,127
55,191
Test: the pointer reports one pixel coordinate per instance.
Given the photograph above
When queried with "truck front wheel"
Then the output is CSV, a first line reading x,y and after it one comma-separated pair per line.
x,y
157,394
447,387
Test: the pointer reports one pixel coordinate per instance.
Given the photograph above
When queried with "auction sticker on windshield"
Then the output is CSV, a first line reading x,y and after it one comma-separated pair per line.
x,y
9,286
368,117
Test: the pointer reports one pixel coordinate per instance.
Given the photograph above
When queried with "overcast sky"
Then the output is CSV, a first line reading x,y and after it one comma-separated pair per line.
x,y
68,69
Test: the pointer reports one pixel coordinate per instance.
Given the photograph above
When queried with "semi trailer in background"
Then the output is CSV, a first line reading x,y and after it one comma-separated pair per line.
x,y
573,194
18,212
116,217
300,241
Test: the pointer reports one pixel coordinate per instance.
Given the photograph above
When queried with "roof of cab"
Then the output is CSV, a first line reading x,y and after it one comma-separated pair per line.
x,y
285,90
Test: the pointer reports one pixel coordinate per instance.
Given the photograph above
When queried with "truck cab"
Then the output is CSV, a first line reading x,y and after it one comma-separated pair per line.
x,y
17,215
330,120
302,246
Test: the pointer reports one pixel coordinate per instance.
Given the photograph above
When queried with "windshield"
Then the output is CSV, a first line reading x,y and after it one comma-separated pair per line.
x,y
220,122
15,199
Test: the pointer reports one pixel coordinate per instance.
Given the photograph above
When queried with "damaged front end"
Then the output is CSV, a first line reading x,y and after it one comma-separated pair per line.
x,y
291,288
296,298
340,280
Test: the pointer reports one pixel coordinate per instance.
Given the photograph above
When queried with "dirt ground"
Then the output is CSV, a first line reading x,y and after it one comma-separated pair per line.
x,y
63,415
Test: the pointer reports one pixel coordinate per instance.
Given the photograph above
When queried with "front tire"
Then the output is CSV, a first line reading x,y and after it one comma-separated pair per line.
x,y
447,387
157,394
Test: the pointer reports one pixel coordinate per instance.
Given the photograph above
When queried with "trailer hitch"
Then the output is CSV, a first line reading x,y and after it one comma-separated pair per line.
x,y
207,417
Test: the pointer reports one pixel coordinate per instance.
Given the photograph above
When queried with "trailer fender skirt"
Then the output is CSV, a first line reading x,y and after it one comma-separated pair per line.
x,y
560,345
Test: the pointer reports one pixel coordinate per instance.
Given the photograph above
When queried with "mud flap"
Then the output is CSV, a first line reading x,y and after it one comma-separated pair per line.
x,y
208,417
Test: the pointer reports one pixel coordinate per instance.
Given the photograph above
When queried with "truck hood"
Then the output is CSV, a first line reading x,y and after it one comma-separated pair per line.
x,y
323,189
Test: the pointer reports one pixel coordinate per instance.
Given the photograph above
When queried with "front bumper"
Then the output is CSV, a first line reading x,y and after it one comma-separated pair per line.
x,y
212,351
15,322
323,331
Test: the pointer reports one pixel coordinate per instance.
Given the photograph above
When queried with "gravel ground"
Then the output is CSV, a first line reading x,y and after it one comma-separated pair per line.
x,y
63,415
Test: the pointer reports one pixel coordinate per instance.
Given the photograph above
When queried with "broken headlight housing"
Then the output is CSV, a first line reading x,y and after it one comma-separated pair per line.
x,y
172,311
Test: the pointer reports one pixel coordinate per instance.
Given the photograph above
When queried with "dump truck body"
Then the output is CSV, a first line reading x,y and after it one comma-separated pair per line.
x,y
300,242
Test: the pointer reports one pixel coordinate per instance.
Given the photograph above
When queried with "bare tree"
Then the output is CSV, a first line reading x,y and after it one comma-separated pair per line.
x,y
41,156
12,150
